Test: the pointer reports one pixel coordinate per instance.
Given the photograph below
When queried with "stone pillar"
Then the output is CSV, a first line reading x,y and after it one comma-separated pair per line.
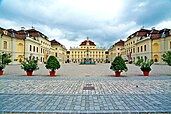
x,y
13,50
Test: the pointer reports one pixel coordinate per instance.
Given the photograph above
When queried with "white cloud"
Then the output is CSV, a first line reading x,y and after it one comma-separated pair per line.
x,y
71,21
163,24
8,23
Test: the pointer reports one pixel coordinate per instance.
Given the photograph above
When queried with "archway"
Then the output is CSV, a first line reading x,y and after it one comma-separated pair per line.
x,y
20,58
156,58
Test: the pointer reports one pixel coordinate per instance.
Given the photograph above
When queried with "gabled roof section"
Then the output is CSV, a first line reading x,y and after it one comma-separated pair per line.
x,y
154,34
91,43
119,43
32,33
141,32
54,42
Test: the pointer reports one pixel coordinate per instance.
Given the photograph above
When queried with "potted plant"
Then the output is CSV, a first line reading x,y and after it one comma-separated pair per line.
x,y
166,57
52,64
29,65
118,65
2,65
145,65
6,58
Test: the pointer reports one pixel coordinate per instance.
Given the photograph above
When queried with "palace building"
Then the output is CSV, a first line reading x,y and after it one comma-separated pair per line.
x,y
115,50
87,51
24,43
151,44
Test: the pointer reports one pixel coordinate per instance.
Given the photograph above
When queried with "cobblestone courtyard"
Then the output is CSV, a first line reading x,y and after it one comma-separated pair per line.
x,y
86,89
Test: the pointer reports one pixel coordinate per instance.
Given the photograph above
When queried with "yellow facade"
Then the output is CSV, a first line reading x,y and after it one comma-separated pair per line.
x,y
24,43
20,44
61,53
87,50
116,50
150,44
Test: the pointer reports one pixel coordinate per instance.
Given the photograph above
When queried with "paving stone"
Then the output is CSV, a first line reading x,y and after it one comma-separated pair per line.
x,y
66,94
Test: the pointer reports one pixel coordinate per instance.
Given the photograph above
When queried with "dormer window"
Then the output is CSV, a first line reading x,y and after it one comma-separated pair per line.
x,y
170,32
87,43
5,32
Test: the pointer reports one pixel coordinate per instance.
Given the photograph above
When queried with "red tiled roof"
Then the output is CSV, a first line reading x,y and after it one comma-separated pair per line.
x,y
54,42
119,43
166,31
155,36
32,33
85,42
141,32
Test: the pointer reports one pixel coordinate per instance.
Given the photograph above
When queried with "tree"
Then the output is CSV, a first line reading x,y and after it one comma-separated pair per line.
x,y
166,57
118,64
52,63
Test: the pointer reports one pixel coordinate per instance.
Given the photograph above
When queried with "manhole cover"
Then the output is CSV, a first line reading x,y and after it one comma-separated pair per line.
x,y
87,75
88,88
88,84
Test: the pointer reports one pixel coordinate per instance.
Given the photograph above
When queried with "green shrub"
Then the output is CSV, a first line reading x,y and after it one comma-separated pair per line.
x,y
118,65
2,65
6,58
166,57
52,63
30,64
144,64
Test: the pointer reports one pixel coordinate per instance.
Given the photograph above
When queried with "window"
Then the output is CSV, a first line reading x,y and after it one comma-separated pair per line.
x,y
30,47
170,44
37,49
56,54
41,50
5,44
33,48
156,47
145,47
133,50
141,48
118,48
138,49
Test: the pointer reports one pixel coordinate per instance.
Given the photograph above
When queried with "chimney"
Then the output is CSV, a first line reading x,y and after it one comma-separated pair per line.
x,y
22,28
152,28
33,27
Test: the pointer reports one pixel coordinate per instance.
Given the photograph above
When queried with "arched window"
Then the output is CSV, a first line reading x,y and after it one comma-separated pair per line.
x,y
5,44
20,47
156,47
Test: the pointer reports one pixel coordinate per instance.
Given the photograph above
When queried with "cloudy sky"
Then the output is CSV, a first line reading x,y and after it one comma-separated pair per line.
x,y
71,21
